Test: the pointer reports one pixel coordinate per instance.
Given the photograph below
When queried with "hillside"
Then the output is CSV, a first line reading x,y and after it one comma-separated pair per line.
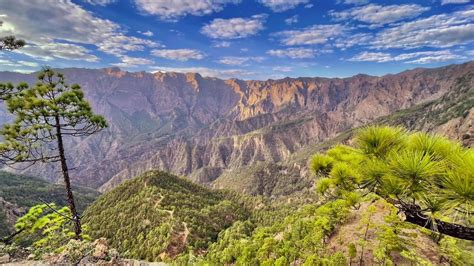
x,y
451,115
19,192
158,216
202,127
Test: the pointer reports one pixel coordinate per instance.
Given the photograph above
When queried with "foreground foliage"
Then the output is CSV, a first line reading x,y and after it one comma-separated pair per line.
x,y
25,192
45,114
427,177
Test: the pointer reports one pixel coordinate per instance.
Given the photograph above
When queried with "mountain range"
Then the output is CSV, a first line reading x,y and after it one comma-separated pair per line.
x,y
211,130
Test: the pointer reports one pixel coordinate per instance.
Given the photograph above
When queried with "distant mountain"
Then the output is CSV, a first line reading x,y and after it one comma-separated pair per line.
x,y
451,115
206,127
19,192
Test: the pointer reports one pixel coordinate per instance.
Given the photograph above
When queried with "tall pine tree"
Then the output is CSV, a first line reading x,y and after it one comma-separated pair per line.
x,y
43,115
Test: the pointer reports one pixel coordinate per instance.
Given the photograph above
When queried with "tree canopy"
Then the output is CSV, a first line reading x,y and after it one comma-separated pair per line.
x,y
10,42
43,115
429,178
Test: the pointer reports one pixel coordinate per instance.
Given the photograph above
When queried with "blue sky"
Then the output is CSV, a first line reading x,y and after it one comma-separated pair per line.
x,y
248,39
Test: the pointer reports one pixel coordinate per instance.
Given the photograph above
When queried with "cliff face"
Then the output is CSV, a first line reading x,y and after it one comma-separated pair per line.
x,y
203,127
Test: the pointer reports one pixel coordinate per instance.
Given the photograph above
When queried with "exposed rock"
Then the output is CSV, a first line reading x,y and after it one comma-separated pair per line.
x,y
4,259
187,124
101,248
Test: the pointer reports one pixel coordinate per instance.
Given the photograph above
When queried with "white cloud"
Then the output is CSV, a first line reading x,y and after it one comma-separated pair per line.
x,y
283,69
292,20
170,10
128,61
100,2
439,31
178,54
51,51
317,34
423,57
353,40
223,44
380,15
282,5
28,63
355,2
234,28
372,57
295,53
9,63
146,33
446,2
436,59
209,72
238,60
60,29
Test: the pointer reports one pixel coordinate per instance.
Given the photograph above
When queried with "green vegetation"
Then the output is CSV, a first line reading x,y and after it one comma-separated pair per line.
x,y
46,228
351,217
300,236
44,115
9,43
427,177
26,191
158,216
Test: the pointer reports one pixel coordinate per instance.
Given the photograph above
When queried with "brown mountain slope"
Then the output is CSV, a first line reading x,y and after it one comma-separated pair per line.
x,y
451,115
190,125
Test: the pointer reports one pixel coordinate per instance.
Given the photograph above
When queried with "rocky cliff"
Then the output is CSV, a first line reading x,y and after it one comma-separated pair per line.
x,y
204,127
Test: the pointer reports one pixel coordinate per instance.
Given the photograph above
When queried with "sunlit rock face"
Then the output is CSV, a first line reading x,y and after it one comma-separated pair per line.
x,y
199,126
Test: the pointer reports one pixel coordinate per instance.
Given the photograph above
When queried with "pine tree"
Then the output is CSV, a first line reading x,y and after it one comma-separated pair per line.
x,y
10,42
429,178
43,115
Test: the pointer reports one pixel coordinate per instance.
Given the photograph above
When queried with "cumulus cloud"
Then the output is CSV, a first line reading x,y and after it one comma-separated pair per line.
x,y
439,31
9,63
282,69
60,29
423,57
371,57
146,33
353,40
178,54
234,28
100,2
295,53
167,10
317,34
53,50
128,61
380,15
282,5
239,60
355,2
446,2
223,44
292,20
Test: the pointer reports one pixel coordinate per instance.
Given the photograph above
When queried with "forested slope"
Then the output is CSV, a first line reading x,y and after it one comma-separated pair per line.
x,y
20,192
158,216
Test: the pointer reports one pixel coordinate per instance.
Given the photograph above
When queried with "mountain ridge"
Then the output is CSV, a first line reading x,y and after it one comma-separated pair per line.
x,y
186,123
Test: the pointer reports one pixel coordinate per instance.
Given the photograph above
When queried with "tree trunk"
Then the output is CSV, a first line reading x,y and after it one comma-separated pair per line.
x,y
445,228
414,215
70,198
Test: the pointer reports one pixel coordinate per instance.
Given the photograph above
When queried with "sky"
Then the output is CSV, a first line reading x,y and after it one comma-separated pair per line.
x,y
246,39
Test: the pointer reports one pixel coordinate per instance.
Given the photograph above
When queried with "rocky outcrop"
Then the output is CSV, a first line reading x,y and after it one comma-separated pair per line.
x,y
191,125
